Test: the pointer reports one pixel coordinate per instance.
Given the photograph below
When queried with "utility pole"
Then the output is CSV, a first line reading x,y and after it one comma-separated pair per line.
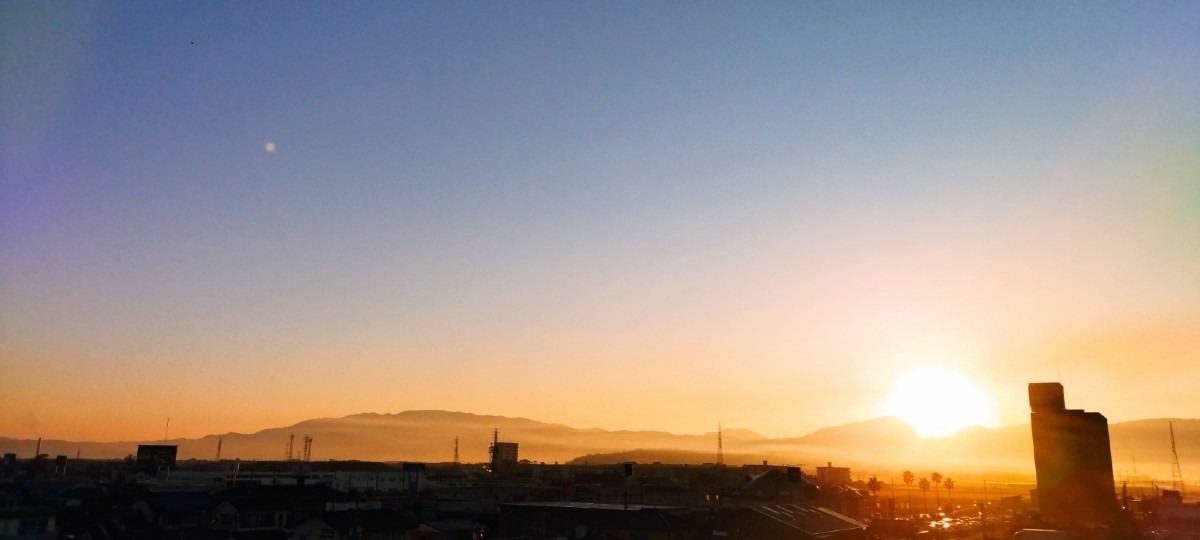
x,y
1176,473
720,448
983,513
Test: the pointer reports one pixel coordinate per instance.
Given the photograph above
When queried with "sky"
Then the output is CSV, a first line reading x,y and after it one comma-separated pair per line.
x,y
625,215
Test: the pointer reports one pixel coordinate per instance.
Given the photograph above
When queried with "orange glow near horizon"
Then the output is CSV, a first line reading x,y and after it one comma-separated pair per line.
x,y
938,402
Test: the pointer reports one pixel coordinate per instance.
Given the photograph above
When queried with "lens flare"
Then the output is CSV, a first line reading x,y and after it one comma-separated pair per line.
x,y
938,401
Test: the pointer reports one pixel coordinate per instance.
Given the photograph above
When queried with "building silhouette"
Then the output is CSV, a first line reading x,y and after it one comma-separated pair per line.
x,y
155,459
504,457
833,475
1073,459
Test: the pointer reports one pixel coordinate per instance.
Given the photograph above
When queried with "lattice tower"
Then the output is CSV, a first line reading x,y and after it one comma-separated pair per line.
x,y
1176,473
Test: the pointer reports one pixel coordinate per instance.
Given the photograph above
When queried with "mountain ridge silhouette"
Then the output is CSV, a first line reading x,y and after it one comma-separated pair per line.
x,y
884,443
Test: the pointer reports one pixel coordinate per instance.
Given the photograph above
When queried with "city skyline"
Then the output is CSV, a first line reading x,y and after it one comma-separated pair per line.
x,y
618,215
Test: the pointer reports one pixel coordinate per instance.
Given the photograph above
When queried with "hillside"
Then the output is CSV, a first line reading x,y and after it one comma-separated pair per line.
x,y
877,444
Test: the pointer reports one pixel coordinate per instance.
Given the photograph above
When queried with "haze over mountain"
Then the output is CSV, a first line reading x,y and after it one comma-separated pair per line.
x,y
878,444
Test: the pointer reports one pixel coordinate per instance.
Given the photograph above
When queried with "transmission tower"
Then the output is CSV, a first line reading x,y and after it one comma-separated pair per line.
x,y
456,450
720,448
1176,473
306,453
291,446
492,450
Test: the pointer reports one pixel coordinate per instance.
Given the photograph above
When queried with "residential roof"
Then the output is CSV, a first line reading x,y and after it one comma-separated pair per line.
x,y
171,502
370,520
271,497
772,483
649,520
592,506
810,519
448,525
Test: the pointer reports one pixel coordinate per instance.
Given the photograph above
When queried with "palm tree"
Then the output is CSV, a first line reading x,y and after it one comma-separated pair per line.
x,y
949,487
924,485
908,480
874,485
936,477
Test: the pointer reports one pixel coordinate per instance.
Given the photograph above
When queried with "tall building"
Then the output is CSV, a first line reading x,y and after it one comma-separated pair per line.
x,y
153,459
1073,459
504,456
833,475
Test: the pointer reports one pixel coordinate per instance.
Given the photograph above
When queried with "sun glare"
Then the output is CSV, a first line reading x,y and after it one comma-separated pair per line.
x,y
937,401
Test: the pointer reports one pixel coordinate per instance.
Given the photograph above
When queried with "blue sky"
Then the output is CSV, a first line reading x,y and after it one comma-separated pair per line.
x,y
714,196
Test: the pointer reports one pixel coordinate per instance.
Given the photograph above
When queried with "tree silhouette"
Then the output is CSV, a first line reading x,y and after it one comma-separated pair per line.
x,y
874,485
936,477
924,485
908,480
949,487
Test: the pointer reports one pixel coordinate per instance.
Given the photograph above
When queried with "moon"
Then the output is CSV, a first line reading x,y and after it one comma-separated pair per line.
x,y
270,146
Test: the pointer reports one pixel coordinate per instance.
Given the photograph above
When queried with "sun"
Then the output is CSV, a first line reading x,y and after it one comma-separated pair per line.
x,y
938,401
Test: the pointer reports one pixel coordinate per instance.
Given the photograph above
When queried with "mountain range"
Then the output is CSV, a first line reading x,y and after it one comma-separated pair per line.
x,y
1140,448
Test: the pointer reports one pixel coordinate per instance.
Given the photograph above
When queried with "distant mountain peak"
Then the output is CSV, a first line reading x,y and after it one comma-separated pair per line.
x,y
430,435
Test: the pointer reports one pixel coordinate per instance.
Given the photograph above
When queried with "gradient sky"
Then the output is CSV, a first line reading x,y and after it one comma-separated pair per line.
x,y
628,215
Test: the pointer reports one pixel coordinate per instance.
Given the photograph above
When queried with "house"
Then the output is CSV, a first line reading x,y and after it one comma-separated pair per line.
x,y
366,524
28,522
270,508
449,530
577,520
799,521
176,510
